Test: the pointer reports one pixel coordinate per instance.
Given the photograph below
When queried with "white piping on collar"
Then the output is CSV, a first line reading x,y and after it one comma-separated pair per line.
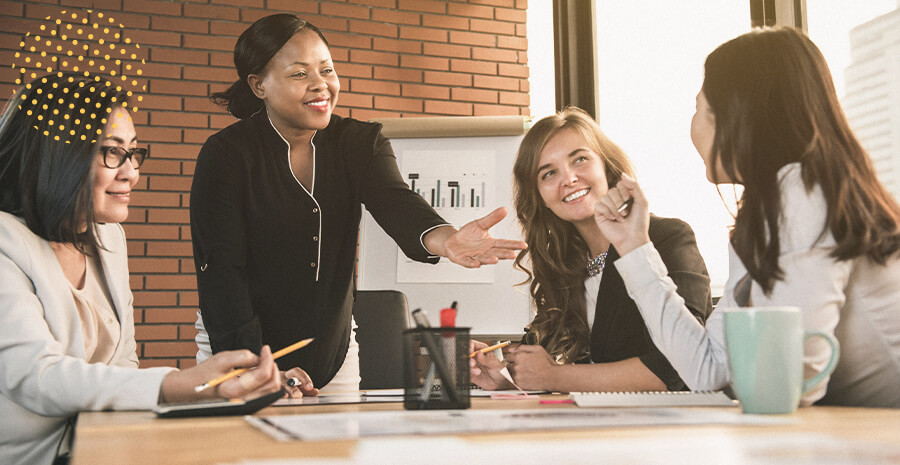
x,y
308,192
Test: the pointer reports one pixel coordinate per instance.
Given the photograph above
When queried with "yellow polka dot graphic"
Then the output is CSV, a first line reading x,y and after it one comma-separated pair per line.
x,y
89,43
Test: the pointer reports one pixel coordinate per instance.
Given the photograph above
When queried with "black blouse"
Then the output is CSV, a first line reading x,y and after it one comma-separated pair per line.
x,y
619,331
276,264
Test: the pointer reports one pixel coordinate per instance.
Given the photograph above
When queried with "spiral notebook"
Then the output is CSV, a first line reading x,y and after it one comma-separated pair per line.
x,y
653,399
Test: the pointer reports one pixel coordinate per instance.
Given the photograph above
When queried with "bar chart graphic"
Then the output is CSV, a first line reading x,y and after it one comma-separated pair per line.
x,y
452,181
466,190
460,186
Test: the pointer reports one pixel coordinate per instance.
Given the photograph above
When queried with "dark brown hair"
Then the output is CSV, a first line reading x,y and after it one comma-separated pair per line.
x,y
48,143
774,103
556,251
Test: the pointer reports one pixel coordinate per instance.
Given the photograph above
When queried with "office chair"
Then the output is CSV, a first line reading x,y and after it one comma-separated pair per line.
x,y
381,316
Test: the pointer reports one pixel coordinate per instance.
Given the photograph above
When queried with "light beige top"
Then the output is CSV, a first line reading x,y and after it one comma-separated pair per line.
x,y
99,323
46,377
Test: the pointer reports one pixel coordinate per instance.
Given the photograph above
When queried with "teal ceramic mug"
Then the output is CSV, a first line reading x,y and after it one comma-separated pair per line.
x,y
765,350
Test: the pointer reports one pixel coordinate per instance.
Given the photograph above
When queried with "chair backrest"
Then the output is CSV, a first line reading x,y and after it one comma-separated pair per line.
x,y
381,317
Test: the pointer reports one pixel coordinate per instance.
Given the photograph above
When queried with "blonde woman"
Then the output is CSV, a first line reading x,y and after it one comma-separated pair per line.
x,y
587,334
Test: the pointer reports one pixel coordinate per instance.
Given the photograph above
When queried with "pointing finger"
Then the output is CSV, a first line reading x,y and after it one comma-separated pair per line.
x,y
492,218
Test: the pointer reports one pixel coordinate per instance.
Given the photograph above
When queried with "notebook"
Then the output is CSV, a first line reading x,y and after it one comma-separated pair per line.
x,y
653,399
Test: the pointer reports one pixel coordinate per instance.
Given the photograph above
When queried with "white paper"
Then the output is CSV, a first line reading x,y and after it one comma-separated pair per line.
x,y
355,425
712,448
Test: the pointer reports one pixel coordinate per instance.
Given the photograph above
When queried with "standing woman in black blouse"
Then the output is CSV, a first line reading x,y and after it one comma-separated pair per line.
x,y
276,205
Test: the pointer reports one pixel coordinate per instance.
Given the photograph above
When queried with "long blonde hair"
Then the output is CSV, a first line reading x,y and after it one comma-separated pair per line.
x,y
556,252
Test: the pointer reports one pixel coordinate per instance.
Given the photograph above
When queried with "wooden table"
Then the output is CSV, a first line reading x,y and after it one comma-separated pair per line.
x,y
141,438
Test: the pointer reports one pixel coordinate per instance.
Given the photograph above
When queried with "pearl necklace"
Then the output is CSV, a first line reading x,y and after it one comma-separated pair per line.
x,y
596,265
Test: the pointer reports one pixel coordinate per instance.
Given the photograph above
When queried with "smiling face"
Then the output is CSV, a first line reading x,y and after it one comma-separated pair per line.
x,y
571,177
299,85
112,186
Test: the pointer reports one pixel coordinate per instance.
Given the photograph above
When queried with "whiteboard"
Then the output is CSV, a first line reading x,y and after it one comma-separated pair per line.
x,y
496,307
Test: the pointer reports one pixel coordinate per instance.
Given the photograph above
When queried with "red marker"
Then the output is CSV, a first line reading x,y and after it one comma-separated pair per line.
x,y
448,316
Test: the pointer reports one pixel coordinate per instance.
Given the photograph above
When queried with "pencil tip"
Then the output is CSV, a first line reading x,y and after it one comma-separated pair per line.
x,y
453,305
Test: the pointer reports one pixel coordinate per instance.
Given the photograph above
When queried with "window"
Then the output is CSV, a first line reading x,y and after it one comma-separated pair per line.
x,y
861,44
650,67
541,79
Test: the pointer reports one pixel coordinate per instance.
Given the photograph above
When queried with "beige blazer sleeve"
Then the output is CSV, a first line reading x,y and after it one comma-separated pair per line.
x,y
41,347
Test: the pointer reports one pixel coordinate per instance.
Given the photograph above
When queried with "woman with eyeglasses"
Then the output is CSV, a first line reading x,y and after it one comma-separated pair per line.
x,y
68,163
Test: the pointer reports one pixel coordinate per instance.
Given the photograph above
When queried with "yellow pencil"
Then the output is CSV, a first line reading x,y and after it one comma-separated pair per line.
x,y
275,356
488,349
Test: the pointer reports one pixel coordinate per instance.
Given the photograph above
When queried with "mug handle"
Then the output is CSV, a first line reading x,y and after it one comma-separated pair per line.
x,y
835,351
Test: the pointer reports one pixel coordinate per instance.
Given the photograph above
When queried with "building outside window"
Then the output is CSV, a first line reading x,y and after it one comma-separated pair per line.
x,y
862,46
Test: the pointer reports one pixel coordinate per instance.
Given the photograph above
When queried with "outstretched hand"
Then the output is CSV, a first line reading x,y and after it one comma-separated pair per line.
x,y
473,246
626,228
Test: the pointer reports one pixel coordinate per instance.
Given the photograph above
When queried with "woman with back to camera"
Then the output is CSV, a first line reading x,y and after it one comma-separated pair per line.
x,y
814,228
276,205
66,318
587,334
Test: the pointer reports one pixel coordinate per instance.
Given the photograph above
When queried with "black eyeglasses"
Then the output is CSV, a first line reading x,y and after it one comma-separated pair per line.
x,y
115,156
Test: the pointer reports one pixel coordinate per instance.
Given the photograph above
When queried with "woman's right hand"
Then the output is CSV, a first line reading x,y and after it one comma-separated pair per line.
x,y
263,378
627,229
484,369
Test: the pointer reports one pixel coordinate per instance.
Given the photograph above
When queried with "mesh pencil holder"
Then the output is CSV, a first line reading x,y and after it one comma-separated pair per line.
x,y
436,368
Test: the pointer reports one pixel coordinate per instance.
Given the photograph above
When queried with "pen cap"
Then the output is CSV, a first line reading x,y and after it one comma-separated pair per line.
x,y
448,317
420,318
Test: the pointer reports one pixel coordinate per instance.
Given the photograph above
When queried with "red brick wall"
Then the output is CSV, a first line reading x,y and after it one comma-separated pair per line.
x,y
394,58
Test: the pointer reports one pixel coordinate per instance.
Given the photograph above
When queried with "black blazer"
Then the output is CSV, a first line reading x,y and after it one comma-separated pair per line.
x,y
619,331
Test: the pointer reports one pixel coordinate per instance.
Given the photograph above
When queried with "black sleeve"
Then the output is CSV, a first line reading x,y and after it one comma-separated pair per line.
x,y
403,214
675,241
219,235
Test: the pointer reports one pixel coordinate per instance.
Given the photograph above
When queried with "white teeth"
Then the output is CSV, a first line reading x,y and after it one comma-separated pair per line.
x,y
576,195
320,103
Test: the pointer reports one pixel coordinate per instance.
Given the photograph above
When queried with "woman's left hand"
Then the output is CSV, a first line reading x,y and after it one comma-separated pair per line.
x,y
531,367
472,246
